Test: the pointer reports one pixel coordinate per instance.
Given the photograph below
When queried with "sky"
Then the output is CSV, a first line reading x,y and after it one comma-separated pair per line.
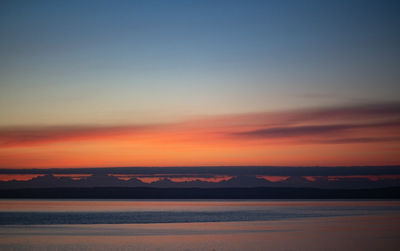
x,y
186,83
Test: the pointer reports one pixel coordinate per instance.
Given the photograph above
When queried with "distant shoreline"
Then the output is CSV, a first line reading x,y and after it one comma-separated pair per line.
x,y
199,193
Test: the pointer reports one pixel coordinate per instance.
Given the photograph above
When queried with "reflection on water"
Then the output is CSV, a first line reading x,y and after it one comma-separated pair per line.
x,y
371,225
174,205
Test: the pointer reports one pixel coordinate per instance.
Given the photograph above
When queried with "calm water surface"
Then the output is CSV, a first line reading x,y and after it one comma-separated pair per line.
x,y
199,225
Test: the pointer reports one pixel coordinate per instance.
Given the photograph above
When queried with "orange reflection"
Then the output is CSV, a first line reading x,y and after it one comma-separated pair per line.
x,y
149,180
18,177
273,178
210,179
158,177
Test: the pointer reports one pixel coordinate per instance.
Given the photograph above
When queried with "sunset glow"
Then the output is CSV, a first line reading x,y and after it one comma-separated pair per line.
x,y
171,87
354,135
199,125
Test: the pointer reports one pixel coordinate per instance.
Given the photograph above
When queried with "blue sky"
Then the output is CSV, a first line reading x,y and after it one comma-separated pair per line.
x,y
141,57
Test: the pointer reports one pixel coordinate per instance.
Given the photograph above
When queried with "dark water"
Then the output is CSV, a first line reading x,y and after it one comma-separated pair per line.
x,y
199,225
49,218
47,212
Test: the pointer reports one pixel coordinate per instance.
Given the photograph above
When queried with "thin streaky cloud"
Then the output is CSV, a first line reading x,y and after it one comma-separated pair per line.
x,y
296,131
41,135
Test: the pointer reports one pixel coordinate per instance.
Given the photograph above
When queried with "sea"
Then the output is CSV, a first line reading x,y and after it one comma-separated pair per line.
x,y
199,224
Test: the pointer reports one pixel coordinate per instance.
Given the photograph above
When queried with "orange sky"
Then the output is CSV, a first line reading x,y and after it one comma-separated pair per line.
x,y
353,135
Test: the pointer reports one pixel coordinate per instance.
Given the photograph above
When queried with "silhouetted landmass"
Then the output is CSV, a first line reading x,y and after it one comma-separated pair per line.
x,y
243,181
201,193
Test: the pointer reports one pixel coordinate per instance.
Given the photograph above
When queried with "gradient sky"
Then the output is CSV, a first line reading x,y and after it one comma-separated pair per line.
x,y
175,83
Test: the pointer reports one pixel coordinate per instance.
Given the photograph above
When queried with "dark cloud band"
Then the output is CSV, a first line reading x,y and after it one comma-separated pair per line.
x,y
221,170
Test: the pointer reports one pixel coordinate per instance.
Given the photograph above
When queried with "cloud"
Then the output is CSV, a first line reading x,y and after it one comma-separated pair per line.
x,y
361,112
324,132
211,171
295,131
368,123
358,140
40,135
346,113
